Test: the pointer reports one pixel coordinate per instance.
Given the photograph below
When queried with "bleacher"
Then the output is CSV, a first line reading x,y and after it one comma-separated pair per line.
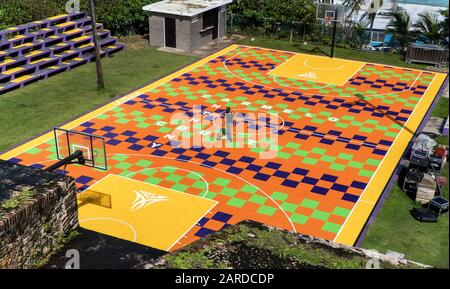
x,y
43,48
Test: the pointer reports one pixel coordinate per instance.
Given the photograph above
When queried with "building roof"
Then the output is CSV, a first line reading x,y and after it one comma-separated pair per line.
x,y
185,7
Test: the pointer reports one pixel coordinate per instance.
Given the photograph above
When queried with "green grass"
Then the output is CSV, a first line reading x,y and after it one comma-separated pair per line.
x,y
40,106
423,242
441,109
395,229
367,56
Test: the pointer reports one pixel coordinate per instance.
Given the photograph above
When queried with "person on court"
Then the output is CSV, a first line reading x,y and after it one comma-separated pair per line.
x,y
229,122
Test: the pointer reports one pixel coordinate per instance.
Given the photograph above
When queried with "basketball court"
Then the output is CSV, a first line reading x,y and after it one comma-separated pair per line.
x,y
341,127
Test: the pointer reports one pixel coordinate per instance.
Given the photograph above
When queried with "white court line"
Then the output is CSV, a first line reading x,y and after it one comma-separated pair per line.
x,y
115,220
233,175
279,83
305,93
203,194
305,63
190,228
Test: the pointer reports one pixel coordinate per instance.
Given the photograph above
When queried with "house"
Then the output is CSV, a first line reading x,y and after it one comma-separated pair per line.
x,y
186,24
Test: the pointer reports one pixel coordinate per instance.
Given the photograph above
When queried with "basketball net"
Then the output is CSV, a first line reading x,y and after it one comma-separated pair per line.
x,y
328,21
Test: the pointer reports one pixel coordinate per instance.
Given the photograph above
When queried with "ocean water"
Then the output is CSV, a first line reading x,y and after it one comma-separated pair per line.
x,y
441,3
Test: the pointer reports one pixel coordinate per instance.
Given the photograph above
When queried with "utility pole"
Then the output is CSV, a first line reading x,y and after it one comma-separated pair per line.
x,y
98,62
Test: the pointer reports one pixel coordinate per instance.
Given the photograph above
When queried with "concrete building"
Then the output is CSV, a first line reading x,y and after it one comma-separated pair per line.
x,y
186,24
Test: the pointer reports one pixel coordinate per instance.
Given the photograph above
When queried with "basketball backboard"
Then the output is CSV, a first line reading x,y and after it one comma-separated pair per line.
x,y
93,147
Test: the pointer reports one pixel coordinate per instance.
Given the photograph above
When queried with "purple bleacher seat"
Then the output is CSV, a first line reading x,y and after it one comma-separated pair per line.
x,y
46,48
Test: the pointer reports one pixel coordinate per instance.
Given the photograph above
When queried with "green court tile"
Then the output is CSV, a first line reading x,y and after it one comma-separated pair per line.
x,y
292,145
33,151
354,164
366,129
164,129
279,196
341,212
143,125
123,165
119,157
199,185
299,219
157,117
194,176
284,155
341,125
345,156
117,109
337,167
140,119
221,182
209,195
328,159
266,210
301,153
319,151
258,199
122,121
119,115
148,172
373,162
365,173
229,192
331,227
249,189
102,116
289,207
180,187
144,163
294,116
174,178
311,204
320,215
235,202
310,161
137,113
125,173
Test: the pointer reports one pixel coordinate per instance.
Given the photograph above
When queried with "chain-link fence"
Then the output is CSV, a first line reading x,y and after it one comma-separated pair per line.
x,y
316,33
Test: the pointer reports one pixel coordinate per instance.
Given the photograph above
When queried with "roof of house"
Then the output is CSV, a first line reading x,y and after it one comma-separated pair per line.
x,y
185,7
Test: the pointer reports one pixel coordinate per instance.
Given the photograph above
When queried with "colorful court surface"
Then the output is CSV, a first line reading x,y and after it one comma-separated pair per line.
x,y
338,129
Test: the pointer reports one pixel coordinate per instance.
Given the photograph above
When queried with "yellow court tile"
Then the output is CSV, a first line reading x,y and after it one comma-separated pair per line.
x,y
318,69
140,212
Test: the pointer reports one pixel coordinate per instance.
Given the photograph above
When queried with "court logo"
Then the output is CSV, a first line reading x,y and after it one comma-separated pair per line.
x,y
144,199
309,75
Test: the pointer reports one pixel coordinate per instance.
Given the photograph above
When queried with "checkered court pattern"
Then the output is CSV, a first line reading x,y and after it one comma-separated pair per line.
x,y
331,140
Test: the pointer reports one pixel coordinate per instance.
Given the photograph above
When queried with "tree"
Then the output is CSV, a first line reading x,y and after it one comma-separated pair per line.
x,y
444,26
400,27
360,31
429,27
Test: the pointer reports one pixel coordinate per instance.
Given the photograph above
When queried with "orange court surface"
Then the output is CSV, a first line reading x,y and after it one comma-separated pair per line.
x,y
341,128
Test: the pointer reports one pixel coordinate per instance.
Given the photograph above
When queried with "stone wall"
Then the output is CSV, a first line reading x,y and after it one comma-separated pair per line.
x,y
32,229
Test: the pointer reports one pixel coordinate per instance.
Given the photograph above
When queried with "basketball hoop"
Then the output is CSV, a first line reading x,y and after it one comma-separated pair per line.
x,y
328,20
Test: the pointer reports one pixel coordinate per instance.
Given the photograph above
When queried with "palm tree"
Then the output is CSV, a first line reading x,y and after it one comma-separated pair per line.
x,y
400,27
355,7
428,26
